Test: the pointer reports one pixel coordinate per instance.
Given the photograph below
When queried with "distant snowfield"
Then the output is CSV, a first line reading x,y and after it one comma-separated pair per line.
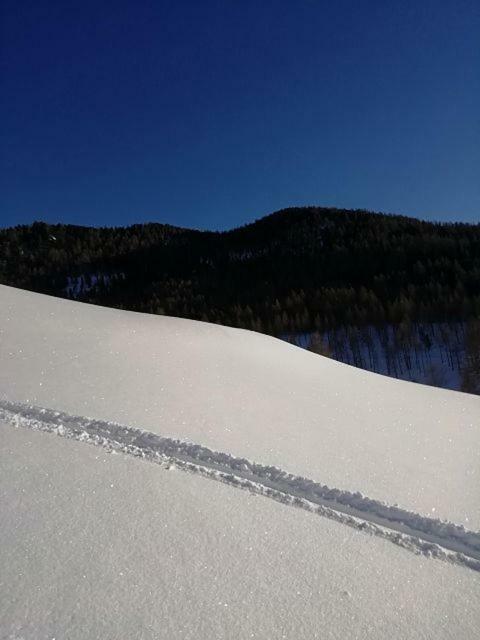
x,y
104,546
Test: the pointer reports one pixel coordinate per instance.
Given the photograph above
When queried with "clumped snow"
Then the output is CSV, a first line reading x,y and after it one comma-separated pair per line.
x,y
98,545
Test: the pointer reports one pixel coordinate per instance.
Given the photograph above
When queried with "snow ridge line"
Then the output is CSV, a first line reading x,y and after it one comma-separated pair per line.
x,y
417,533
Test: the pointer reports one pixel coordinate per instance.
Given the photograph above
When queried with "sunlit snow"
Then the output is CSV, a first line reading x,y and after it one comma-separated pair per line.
x,y
96,545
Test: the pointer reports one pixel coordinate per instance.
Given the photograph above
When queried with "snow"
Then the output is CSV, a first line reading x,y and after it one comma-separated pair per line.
x,y
249,395
421,534
100,544
437,362
106,546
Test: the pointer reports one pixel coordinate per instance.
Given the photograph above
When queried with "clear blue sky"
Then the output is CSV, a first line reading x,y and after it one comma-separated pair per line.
x,y
213,113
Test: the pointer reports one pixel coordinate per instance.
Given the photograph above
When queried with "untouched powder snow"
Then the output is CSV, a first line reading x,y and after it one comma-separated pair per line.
x,y
99,544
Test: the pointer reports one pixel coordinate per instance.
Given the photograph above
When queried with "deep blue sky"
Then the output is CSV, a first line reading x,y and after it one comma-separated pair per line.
x,y
211,114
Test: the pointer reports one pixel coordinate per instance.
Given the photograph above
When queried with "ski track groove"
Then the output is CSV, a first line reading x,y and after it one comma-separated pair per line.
x,y
419,534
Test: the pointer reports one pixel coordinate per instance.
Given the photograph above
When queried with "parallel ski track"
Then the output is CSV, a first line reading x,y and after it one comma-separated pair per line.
x,y
419,534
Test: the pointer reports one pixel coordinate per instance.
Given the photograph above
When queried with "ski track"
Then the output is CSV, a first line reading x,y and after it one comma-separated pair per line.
x,y
420,534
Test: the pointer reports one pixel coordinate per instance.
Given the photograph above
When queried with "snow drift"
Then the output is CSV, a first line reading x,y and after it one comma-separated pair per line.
x,y
389,458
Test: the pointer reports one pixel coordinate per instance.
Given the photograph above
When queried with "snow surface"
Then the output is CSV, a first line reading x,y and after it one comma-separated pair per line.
x,y
105,545
421,534
377,350
250,395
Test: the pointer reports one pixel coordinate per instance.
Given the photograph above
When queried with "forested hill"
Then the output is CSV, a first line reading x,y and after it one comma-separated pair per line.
x,y
299,269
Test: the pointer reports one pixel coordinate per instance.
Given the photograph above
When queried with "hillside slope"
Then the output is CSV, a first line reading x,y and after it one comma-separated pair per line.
x,y
248,395
96,545
297,270
105,547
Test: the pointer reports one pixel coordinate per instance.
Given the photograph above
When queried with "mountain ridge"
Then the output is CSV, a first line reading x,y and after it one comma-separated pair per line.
x,y
297,269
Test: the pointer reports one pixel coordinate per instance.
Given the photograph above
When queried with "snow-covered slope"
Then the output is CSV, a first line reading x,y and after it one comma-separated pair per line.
x,y
107,546
247,394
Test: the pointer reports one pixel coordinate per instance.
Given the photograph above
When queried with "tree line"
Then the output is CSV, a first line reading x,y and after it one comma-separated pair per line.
x,y
440,354
297,270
